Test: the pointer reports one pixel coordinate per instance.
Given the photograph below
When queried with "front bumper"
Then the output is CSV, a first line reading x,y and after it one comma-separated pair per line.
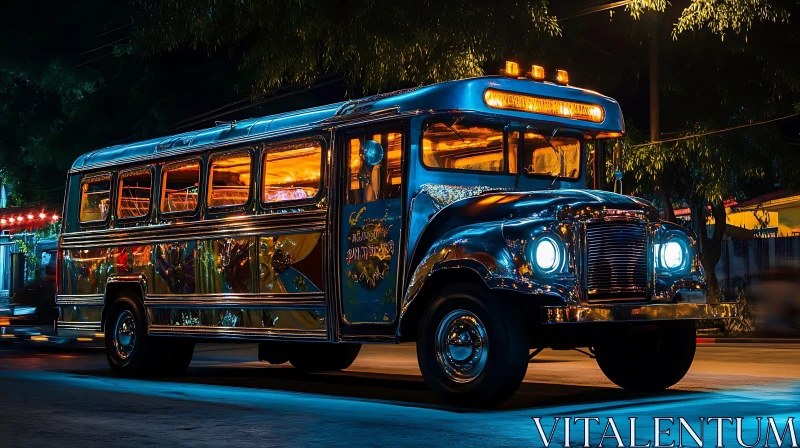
x,y
637,312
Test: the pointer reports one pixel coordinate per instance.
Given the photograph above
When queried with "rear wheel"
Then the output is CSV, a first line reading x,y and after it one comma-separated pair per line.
x,y
652,360
126,341
472,348
320,357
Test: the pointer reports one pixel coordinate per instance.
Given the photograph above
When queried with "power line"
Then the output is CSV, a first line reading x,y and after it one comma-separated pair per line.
x,y
258,103
717,131
104,46
599,8
92,60
111,31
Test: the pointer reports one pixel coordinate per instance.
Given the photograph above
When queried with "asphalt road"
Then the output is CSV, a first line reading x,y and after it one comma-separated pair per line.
x,y
69,398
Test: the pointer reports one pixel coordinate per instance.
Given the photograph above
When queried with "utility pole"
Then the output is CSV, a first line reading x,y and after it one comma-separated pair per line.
x,y
655,118
655,127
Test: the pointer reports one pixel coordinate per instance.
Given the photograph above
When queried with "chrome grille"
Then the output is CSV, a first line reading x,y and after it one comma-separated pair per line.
x,y
616,260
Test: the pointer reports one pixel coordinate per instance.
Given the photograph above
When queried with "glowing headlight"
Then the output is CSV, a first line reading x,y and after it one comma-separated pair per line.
x,y
672,254
547,254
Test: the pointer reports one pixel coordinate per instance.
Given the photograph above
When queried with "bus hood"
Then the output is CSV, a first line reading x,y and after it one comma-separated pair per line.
x,y
561,204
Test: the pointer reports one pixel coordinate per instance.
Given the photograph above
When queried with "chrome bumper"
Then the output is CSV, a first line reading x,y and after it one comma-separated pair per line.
x,y
637,312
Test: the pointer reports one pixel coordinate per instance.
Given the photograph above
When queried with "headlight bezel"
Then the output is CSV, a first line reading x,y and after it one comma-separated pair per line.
x,y
559,251
687,254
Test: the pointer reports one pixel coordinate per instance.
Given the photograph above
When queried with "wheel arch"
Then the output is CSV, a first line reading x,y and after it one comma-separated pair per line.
x,y
413,309
118,284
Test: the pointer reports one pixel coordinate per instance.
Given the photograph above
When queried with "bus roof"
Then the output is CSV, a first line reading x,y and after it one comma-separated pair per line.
x,y
466,95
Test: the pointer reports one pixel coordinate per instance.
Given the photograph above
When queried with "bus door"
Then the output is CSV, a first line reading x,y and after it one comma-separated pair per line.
x,y
371,224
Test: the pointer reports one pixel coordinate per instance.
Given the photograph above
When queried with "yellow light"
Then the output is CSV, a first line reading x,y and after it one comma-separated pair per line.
x,y
512,69
536,73
8,335
498,99
5,322
99,335
609,135
85,339
38,338
562,77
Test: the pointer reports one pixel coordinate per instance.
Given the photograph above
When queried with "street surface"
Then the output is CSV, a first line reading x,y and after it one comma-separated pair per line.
x,y
68,398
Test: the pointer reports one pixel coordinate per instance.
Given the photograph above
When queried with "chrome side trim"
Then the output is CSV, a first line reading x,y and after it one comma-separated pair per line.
x,y
273,224
315,300
94,327
83,299
238,333
634,313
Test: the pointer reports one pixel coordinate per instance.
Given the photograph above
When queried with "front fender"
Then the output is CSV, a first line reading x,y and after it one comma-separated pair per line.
x,y
496,252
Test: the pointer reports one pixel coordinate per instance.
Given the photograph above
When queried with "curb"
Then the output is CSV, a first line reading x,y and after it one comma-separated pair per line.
x,y
748,341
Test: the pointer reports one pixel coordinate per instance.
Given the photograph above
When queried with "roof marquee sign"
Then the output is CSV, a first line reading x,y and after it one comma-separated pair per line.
x,y
499,99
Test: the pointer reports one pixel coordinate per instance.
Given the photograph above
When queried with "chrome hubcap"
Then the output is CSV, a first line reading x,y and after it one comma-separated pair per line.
x,y
462,347
125,334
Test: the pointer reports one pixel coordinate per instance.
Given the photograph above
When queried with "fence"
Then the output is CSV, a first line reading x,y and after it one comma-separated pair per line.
x,y
742,261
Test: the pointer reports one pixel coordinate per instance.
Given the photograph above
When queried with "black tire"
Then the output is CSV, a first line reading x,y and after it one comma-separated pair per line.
x,y
506,355
274,352
648,360
179,356
321,357
139,359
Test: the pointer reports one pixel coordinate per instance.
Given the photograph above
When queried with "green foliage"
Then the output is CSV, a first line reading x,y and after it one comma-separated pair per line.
x,y
718,16
722,16
380,44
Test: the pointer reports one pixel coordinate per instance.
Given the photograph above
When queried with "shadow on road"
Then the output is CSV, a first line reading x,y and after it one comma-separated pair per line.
x,y
407,390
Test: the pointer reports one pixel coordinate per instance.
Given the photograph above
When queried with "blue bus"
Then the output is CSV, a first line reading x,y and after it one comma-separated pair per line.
x,y
461,216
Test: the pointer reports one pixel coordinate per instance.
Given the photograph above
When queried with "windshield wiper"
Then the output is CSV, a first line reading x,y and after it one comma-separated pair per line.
x,y
561,159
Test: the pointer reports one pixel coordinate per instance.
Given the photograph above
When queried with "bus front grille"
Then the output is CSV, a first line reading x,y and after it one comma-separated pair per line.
x,y
616,261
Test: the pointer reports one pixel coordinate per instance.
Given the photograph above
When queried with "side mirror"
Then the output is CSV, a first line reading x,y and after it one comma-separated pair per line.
x,y
618,160
371,152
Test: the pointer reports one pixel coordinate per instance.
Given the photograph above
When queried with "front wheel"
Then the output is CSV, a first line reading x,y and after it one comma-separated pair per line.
x,y
472,348
652,360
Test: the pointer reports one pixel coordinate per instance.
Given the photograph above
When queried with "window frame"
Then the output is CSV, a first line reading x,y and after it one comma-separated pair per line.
x,y
262,172
162,175
382,128
504,131
86,179
118,201
566,133
209,187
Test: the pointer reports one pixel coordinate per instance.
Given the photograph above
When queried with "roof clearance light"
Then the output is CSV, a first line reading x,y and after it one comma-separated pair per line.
x,y
498,99
562,77
30,216
536,73
55,217
11,219
42,215
512,69
3,221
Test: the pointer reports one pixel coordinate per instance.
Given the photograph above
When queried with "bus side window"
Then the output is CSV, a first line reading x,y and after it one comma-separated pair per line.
x,y
95,198
292,172
134,193
180,187
229,180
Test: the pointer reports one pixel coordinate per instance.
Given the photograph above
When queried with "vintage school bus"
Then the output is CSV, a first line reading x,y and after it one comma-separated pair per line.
x,y
455,215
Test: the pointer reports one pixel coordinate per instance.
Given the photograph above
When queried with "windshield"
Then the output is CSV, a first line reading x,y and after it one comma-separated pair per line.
x,y
459,143
561,157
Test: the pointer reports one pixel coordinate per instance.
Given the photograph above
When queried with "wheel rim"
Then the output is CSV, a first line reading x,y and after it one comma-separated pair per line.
x,y
462,347
125,334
